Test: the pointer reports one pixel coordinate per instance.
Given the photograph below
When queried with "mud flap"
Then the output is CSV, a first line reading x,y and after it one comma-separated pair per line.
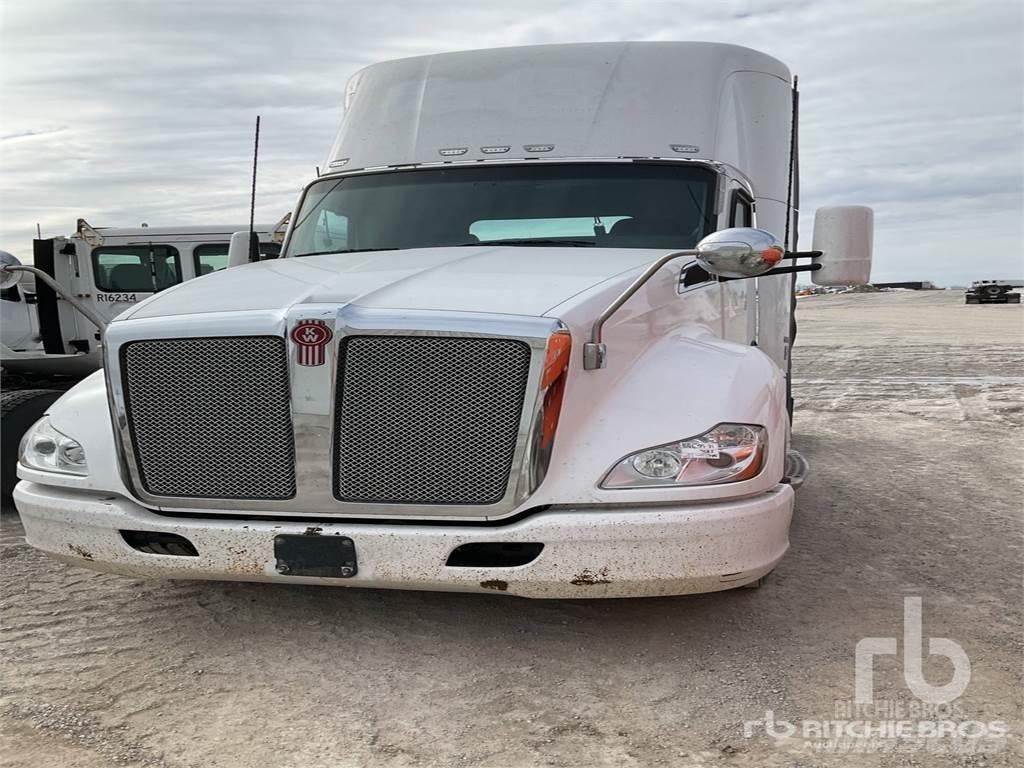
x,y
796,469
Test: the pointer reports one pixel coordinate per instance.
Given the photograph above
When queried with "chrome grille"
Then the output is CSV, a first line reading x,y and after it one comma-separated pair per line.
x,y
427,419
210,417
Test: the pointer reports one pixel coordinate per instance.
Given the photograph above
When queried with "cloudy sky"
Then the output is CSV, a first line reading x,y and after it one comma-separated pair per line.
x,y
128,110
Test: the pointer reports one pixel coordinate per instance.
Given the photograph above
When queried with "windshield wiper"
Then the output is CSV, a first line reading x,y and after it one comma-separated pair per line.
x,y
515,241
535,241
346,250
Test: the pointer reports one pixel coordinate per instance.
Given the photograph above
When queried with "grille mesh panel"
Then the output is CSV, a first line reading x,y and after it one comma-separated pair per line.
x,y
210,418
426,419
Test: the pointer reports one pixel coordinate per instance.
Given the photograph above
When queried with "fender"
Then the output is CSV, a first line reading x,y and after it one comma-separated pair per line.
x,y
82,413
679,386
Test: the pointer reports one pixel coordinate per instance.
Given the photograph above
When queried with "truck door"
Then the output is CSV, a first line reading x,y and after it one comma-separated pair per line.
x,y
58,320
774,292
739,297
124,275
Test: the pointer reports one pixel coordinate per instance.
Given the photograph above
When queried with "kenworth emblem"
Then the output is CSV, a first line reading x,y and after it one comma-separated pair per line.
x,y
311,336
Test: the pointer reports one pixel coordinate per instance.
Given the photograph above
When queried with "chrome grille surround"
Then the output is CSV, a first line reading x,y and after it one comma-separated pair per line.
x,y
225,433
312,405
427,419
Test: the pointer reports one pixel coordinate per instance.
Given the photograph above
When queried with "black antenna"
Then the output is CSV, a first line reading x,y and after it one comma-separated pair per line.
x,y
792,163
796,164
254,251
793,202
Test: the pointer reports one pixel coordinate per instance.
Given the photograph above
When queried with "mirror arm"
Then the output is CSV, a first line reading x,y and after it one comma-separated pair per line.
x,y
86,311
802,254
595,352
777,271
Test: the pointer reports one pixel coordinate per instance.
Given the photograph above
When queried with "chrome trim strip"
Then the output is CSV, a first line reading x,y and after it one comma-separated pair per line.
x,y
312,408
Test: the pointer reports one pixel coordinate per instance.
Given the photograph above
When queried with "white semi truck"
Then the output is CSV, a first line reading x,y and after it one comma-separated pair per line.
x,y
54,315
529,334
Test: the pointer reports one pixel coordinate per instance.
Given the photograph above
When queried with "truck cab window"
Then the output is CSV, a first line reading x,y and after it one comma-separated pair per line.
x,y
694,275
741,212
213,257
603,205
136,268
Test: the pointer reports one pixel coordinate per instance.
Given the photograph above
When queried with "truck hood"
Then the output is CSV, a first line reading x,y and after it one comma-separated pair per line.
x,y
496,279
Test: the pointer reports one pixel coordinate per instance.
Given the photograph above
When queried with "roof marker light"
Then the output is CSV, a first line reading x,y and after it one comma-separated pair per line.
x,y
538,147
495,150
338,163
448,152
685,148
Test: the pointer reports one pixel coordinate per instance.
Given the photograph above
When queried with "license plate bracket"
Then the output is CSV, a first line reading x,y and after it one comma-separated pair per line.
x,y
332,557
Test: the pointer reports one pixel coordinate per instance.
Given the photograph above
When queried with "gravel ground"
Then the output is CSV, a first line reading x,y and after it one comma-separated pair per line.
x,y
910,407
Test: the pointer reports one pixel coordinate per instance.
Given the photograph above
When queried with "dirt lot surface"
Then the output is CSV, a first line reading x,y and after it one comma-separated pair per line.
x,y
910,412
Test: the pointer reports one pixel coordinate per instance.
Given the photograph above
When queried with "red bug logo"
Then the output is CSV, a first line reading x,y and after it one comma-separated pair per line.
x,y
311,336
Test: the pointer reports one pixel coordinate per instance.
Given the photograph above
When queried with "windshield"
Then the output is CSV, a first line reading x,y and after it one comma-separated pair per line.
x,y
602,205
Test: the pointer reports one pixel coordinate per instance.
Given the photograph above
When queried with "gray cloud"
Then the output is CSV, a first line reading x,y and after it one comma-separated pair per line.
x,y
124,112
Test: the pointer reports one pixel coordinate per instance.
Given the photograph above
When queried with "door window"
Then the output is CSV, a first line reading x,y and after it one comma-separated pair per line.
x,y
136,268
741,214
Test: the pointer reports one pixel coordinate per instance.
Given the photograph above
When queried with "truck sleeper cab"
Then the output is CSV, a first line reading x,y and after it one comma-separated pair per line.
x,y
510,347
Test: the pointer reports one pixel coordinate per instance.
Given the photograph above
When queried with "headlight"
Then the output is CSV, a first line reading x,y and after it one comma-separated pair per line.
x,y
726,453
46,449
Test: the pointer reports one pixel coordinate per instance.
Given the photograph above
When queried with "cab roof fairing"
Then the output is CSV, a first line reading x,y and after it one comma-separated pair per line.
x,y
714,101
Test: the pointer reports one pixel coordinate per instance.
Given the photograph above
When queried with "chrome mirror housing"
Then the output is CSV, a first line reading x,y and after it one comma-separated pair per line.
x,y
739,252
8,278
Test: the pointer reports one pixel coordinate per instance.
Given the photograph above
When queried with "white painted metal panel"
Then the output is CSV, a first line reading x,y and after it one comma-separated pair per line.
x,y
582,100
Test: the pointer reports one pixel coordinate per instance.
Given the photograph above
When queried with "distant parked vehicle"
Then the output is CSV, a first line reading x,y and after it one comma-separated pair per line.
x,y
993,292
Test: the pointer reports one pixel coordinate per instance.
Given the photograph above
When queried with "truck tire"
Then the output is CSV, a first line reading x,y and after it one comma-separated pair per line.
x,y
19,410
